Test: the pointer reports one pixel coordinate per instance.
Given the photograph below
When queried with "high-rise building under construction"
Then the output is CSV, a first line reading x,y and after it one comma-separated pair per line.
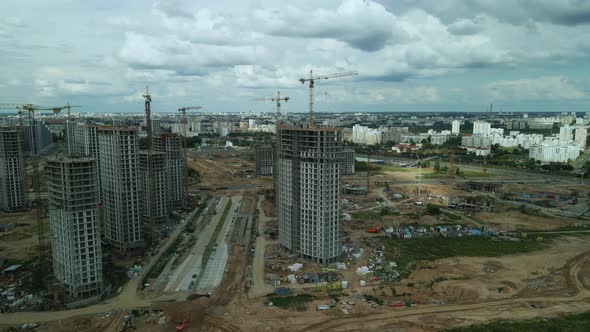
x,y
171,146
159,188
12,170
75,225
310,161
86,144
120,186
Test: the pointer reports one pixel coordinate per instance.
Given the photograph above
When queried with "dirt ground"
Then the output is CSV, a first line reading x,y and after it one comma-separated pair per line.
x,y
20,244
512,219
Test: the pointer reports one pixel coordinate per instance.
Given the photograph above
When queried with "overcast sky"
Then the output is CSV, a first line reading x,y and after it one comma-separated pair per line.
x,y
530,55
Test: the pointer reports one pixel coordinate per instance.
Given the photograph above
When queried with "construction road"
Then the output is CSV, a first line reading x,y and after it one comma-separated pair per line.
x,y
213,273
182,278
259,286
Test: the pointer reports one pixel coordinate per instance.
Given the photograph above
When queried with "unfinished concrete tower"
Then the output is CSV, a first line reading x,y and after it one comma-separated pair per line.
x,y
120,185
12,170
160,189
264,160
75,225
86,138
308,192
171,146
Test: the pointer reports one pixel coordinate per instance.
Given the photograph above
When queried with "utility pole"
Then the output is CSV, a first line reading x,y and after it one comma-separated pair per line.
x,y
150,191
312,80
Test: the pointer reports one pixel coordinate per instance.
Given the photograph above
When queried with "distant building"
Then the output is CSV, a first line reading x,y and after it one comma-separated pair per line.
x,y
581,136
482,128
553,150
42,134
171,146
456,127
348,161
75,225
160,188
12,170
121,187
264,160
566,133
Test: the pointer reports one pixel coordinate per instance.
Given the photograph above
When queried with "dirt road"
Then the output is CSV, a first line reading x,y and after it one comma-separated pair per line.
x,y
392,316
259,287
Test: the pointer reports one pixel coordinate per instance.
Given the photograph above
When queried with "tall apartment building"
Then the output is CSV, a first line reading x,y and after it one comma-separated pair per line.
x,y
86,144
455,127
120,186
264,160
71,136
310,161
40,133
482,128
75,225
566,133
171,146
348,162
160,187
12,170
581,136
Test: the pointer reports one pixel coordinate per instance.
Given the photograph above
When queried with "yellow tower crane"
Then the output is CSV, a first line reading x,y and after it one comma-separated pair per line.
x,y
311,79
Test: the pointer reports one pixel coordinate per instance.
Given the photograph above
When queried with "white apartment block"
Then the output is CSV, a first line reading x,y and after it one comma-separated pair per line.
x,y
310,161
12,170
455,127
553,150
581,136
482,128
120,185
75,225
566,133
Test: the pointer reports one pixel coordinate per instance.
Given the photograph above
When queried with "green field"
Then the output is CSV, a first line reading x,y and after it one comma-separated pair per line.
x,y
292,302
577,322
407,252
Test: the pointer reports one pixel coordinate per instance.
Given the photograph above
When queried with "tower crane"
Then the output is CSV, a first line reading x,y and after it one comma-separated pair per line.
x,y
419,175
184,153
31,109
312,80
278,100
150,190
70,137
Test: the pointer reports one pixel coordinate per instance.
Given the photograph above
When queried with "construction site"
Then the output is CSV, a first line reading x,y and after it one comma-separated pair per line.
x,y
229,239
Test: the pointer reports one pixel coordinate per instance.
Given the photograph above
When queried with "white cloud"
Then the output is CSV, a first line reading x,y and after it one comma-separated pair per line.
x,y
540,88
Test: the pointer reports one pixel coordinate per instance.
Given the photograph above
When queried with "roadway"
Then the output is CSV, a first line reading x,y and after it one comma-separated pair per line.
x,y
182,279
259,286
214,268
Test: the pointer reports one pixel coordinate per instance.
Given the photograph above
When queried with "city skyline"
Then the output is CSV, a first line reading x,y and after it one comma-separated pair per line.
x,y
411,56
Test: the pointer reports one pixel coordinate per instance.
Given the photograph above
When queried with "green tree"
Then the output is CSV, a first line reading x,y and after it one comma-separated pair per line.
x,y
437,166
458,172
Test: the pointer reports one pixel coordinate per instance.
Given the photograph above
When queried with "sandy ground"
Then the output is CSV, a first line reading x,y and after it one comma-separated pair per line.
x,y
511,219
20,244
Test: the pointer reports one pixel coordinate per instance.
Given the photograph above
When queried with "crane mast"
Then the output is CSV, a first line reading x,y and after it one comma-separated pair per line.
x,y
184,121
278,100
312,80
150,191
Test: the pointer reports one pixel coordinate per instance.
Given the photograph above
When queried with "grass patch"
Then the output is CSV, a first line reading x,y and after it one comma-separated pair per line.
x,y
213,239
406,253
161,263
366,215
576,322
451,216
292,302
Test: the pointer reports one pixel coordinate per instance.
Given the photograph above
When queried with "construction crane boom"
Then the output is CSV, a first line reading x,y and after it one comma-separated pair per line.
x,y
184,121
312,80
278,100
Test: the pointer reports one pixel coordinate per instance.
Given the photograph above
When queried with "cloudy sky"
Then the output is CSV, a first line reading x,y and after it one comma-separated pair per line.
x,y
452,55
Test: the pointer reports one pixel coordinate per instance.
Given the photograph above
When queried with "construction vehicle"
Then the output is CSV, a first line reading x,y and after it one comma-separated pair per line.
x,y
181,325
312,80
